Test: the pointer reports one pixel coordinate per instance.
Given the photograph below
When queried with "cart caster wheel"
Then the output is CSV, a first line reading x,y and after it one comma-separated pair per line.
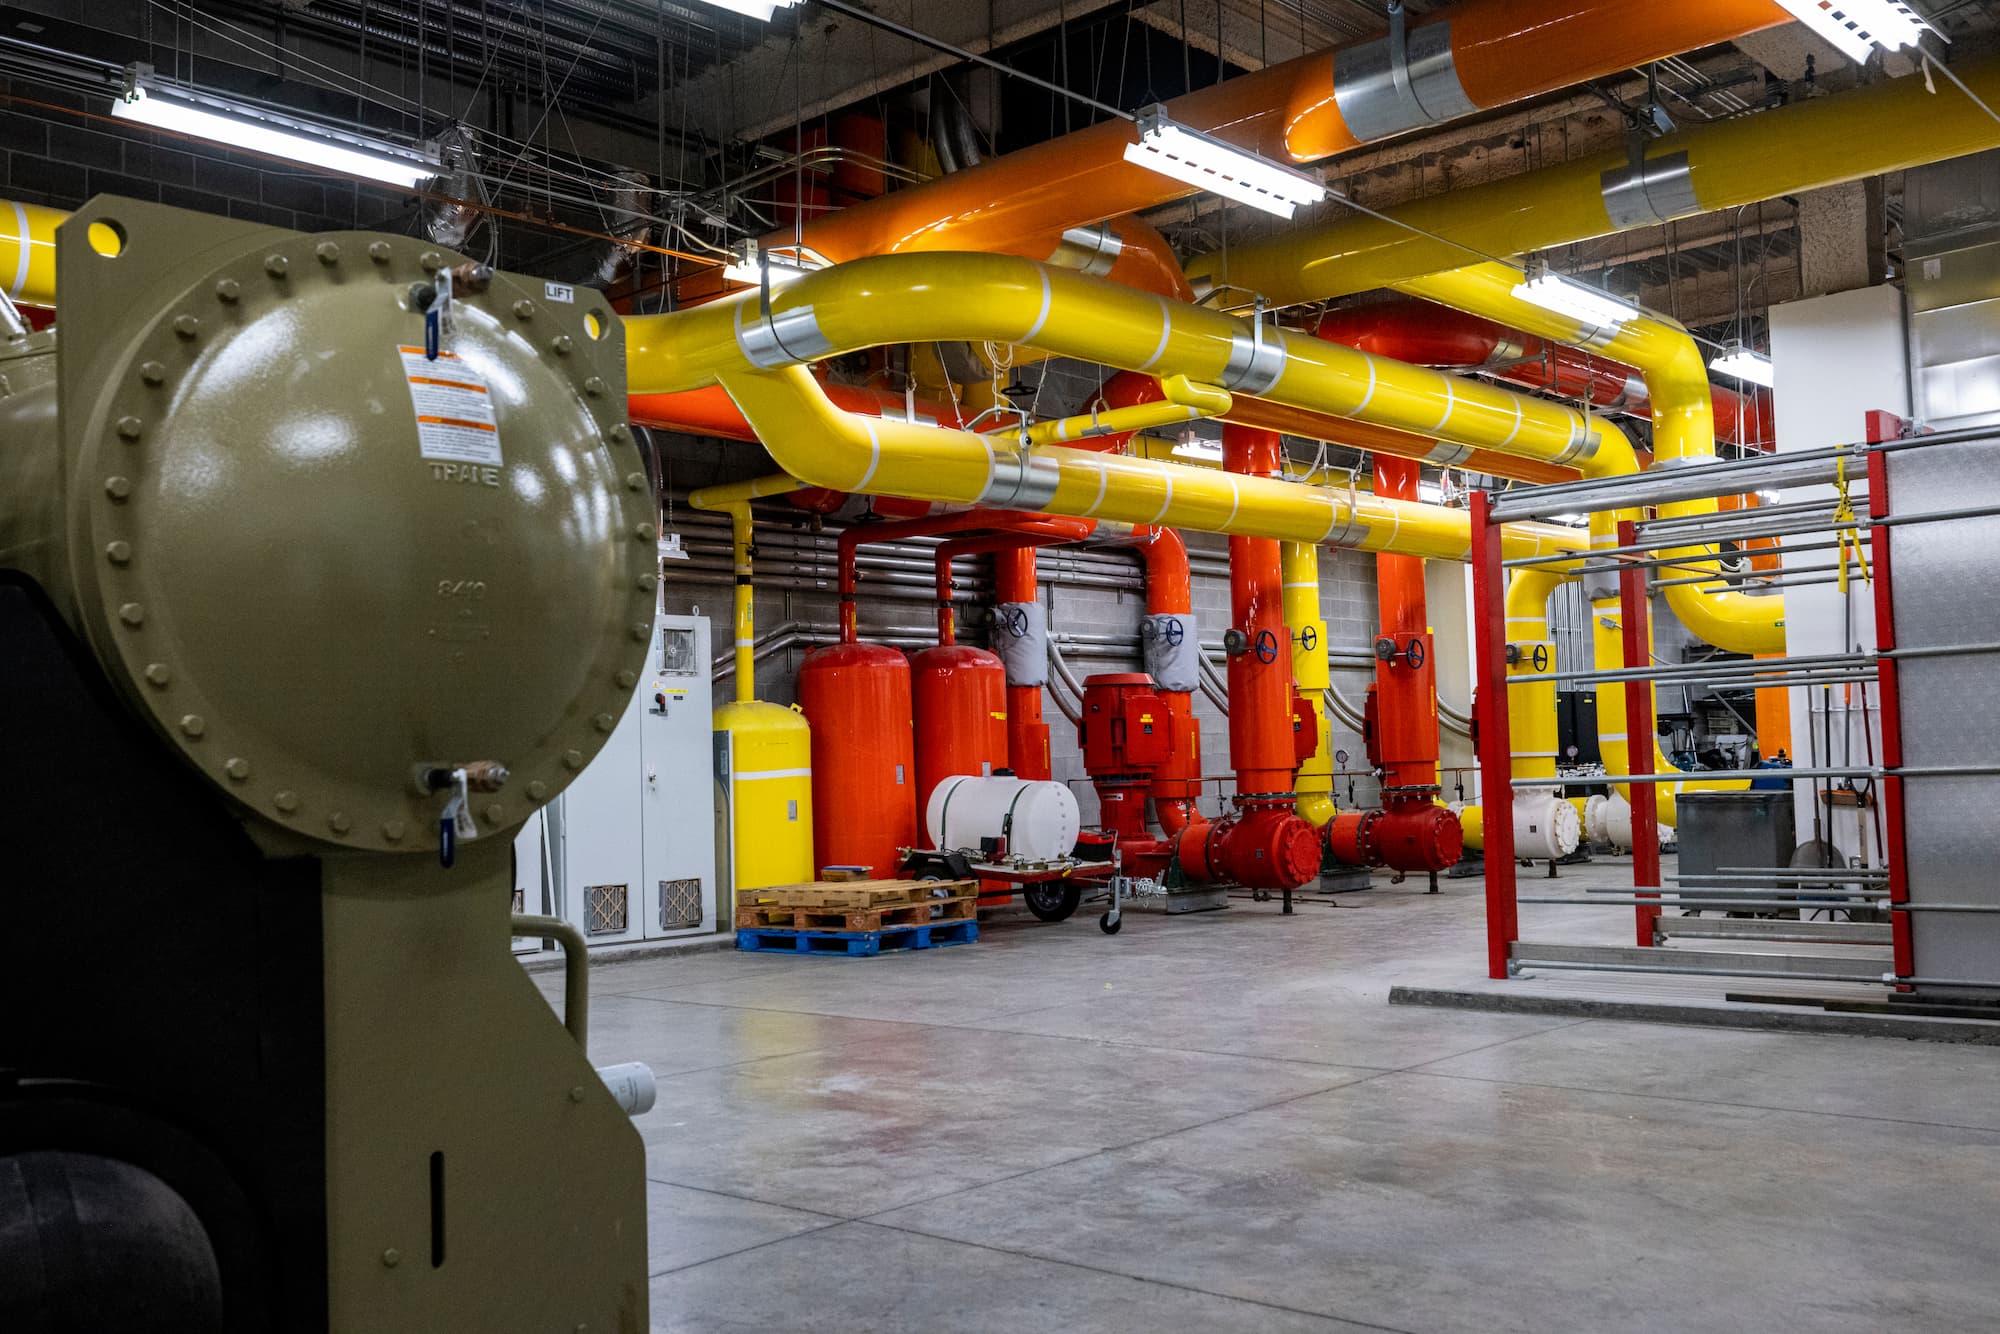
x,y
1109,925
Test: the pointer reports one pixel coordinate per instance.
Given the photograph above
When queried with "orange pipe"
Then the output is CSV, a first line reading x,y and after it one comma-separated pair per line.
x,y
1500,50
711,411
1261,746
1027,733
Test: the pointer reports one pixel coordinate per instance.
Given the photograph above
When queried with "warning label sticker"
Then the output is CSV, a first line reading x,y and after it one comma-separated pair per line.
x,y
454,411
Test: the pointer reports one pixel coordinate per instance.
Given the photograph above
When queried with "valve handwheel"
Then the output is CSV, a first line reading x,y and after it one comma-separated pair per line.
x,y
1414,654
1014,620
1267,646
1541,657
1175,633
1309,639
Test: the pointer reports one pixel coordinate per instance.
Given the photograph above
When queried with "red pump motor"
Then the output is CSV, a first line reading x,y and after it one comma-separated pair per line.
x,y
1126,734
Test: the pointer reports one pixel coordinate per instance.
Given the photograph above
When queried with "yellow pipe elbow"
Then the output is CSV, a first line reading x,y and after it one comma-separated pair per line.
x,y
1676,377
1185,402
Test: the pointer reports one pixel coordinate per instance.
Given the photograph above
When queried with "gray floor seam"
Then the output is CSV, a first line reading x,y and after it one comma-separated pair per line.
x,y
1139,1278
1503,1042
1699,1102
745,1250
749,1199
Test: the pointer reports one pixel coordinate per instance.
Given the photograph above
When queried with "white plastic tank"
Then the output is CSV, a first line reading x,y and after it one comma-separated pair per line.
x,y
1038,820
1546,826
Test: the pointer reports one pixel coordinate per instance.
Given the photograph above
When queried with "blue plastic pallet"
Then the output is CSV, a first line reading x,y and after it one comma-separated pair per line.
x,y
856,944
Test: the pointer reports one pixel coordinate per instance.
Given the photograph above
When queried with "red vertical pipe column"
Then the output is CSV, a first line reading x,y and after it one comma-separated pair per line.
x,y
1027,734
1902,947
1406,685
1170,592
1261,745
1635,619
1494,745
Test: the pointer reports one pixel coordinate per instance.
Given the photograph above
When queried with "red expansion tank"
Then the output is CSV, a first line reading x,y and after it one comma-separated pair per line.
x,y
857,698
961,715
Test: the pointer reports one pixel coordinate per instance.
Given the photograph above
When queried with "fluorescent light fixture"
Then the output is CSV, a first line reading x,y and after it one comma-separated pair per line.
x,y
748,261
1206,451
1220,168
1742,363
1858,26
257,131
1566,296
756,9
1574,520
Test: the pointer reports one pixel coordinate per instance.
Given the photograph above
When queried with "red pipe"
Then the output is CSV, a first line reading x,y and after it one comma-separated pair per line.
x,y
1027,734
929,525
1431,335
1170,591
1411,832
1265,844
1025,536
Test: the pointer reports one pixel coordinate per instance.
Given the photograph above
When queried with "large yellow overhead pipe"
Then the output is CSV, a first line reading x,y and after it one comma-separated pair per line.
x,y
994,298
28,251
813,440
1821,141
1683,429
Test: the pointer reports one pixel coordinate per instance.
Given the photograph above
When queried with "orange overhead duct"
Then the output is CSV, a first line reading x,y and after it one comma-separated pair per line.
x,y
1467,58
710,411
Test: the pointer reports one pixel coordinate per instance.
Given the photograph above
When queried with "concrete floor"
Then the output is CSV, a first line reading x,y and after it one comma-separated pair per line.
x,y
1215,1123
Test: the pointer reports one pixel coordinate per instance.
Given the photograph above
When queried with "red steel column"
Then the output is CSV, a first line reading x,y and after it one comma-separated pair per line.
x,y
1635,620
1902,946
1495,746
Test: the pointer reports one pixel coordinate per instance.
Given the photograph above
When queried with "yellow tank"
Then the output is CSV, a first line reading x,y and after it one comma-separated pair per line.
x,y
770,793
1473,827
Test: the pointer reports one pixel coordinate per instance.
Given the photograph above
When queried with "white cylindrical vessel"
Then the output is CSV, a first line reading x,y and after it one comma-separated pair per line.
x,y
1546,826
1038,821
1611,822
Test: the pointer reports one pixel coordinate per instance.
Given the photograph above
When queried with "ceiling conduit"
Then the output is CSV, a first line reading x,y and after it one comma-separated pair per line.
x,y
1470,57
1817,142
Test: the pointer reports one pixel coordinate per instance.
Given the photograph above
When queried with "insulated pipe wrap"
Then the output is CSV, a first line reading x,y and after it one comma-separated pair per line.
x,y
1020,638
1171,650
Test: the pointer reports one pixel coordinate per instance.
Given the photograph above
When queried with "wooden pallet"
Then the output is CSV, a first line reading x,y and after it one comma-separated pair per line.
x,y
821,917
857,943
852,896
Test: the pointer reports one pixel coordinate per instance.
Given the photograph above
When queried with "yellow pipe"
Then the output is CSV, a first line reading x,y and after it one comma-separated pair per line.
x,y
1683,429
1531,705
1185,401
1311,676
734,499
1888,126
28,251
995,298
820,445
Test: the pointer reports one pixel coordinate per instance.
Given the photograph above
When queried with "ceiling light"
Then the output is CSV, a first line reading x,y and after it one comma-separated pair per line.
x,y
1206,451
749,261
1739,362
1566,296
254,130
1220,168
756,9
1858,26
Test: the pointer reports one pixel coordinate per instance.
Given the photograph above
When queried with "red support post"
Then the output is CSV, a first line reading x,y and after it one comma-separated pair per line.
x,y
1636,622
1495,746
1902,947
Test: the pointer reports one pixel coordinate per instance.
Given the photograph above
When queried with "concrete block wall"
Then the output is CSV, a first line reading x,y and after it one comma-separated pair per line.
x,y
788,589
